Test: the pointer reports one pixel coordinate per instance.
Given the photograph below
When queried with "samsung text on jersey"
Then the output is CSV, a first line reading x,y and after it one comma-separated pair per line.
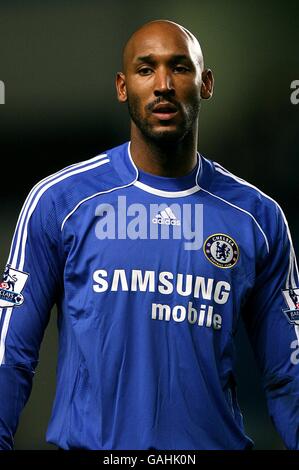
x,y
165,283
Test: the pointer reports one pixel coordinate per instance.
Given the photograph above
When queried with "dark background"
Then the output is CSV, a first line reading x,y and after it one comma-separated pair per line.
x,y
58,60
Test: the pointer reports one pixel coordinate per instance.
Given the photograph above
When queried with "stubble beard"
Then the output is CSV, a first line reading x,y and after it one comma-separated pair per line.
x,y
163,137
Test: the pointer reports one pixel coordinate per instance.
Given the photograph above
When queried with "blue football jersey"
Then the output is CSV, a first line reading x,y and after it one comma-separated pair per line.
x,y
151,276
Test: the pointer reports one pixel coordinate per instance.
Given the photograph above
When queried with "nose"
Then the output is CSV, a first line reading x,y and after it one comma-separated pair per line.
x,y
163,83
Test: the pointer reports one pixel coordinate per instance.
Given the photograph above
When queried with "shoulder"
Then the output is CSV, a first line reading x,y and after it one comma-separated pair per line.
x,y
80,179
72,178
61,191
236,190
245,197
96,172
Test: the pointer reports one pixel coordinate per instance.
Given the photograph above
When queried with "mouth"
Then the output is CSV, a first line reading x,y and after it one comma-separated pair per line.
x,y
165,111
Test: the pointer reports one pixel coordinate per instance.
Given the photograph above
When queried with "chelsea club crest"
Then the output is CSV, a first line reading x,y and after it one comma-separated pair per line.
x,y
221,250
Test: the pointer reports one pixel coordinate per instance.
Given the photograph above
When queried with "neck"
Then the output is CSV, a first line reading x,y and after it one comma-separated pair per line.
x,y
164,159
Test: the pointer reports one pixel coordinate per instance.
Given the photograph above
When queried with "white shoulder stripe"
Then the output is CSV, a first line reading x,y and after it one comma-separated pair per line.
x,y
26,212
290,279
41,192
91,197
227,173
34,191
3,334
242,210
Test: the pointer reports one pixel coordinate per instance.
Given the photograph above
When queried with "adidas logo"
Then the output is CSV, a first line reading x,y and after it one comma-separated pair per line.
x,y
166,217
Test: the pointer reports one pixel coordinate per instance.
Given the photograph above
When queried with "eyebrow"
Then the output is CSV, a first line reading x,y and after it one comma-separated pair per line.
x,y
150,58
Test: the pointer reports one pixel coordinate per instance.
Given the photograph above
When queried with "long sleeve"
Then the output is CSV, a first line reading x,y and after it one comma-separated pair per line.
x,y
28,291
272,320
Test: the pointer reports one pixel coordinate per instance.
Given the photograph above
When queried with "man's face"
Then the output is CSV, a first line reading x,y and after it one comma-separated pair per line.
x,y
162,83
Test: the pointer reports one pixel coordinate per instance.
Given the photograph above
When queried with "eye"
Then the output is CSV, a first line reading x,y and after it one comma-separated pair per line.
x,y
180,69
145,71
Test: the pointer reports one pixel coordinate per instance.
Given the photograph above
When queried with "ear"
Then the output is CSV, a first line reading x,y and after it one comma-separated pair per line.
x,y
207,85
121,88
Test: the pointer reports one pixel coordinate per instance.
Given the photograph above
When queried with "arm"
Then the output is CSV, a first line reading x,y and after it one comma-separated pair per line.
x,y
29,288
272,321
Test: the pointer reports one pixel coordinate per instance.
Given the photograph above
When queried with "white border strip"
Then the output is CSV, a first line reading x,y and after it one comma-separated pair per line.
x,y
26,213
41,192
242,210
104,192
91,197
290,280
4,333
32,194
227,173
162,193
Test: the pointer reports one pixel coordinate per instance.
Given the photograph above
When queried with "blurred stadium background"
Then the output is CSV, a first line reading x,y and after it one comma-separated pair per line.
x,y
58,59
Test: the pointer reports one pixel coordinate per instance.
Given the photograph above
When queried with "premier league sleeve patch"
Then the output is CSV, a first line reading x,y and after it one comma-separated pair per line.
x,y
11,287
292,300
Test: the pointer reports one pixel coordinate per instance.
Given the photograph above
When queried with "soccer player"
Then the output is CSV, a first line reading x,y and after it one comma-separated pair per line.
x,y
152,253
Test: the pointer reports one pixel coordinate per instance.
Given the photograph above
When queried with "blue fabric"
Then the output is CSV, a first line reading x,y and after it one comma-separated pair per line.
x,y
146,325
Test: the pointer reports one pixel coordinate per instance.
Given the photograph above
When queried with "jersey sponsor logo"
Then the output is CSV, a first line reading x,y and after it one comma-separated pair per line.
x,y
292,300
163,282
203,316
221,250
202,294
11,287
166,217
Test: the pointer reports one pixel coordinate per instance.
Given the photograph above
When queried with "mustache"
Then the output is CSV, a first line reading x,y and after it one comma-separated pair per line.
x,y
150,106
